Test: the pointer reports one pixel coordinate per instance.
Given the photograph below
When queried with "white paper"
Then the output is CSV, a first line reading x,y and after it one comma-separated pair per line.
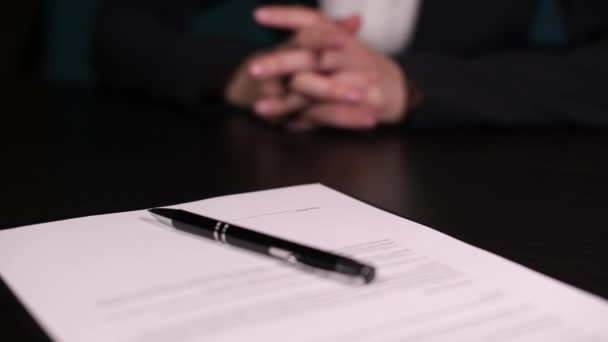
x,y
126,277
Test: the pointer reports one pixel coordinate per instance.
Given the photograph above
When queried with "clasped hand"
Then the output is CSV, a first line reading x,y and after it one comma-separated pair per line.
x,y
322,76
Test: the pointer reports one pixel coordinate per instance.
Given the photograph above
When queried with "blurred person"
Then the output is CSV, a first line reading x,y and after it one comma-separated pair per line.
x,y
358,64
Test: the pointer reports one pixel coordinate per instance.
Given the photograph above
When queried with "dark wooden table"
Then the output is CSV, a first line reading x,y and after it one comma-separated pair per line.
x,y
536,196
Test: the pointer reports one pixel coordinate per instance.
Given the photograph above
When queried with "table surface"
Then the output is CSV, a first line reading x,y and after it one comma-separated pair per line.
x,y
535,196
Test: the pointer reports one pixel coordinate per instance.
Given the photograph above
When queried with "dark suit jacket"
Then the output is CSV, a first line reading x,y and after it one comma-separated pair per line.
x,y
471,58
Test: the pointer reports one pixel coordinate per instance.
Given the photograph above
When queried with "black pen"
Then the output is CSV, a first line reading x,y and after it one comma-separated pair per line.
x,y
287,251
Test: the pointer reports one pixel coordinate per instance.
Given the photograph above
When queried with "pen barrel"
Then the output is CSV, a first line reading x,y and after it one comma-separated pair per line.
x,y
339,264
196,224
193,229
254,241
262,243
265,244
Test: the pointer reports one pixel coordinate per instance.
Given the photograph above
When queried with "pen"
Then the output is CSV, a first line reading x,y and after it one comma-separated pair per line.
x,y
290,252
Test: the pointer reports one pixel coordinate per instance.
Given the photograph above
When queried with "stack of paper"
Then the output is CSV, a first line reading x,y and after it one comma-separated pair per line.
x,y
126,277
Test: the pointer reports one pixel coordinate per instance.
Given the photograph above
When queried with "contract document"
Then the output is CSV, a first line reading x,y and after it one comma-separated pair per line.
x,y
127,277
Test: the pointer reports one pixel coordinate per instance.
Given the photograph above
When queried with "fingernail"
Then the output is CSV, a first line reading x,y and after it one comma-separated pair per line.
x,y
262,15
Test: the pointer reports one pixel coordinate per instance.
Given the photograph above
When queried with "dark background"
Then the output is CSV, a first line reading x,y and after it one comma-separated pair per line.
x,y
49,39
21,40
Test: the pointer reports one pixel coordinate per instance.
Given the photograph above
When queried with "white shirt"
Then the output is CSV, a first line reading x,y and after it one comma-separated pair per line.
x,y
388,25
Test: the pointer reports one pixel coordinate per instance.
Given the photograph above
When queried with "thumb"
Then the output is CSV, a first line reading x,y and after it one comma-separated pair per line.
x,y
352,24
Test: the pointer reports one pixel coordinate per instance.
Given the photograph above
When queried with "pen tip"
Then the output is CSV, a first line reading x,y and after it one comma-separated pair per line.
x,y
159,215
157,210
162,212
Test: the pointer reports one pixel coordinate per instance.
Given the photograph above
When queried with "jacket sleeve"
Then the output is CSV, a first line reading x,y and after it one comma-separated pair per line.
x,y
147,45
526,88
